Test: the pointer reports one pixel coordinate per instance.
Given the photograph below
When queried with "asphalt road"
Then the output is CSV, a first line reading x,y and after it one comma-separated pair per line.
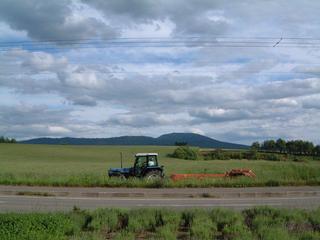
x,y
15,198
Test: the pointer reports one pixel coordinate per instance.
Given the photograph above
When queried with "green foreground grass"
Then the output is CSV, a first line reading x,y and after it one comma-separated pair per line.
x,y
62,165
257,223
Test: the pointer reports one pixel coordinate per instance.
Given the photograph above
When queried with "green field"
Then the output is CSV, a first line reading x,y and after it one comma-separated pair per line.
x,y
258,223
63,165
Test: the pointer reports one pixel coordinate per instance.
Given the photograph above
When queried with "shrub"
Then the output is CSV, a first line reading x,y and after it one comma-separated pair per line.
x,y
35,226
202,226
166,233
271,233
230,224
272,157
314,219
167,223
142,220
185,152
187,219
105,220
218,154
252,155
170,219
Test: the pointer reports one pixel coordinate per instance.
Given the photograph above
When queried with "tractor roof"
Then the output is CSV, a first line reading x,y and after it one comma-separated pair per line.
x,y
146,154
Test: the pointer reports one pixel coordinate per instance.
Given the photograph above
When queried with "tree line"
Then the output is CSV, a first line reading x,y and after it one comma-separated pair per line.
x,y
7,140
297,147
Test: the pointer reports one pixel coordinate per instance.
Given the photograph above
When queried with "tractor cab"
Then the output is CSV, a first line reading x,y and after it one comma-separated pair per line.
x,y
145,166
145,161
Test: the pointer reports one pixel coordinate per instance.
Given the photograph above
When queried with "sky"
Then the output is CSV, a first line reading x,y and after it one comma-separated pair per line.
x,y
238,71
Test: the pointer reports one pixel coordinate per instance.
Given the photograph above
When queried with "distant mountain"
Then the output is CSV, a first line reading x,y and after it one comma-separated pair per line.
x,y
194,139
170,139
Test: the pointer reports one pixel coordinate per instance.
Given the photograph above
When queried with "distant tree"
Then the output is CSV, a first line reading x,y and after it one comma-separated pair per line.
x,y
269,145
316,150
7,140
255,146
300,146
309,146
281,145
292,147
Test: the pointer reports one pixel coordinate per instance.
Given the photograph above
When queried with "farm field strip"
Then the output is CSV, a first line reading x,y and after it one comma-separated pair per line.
x,y
63,165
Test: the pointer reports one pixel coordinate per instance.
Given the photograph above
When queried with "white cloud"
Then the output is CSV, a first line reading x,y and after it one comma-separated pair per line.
x,y
41,61
58,130
197,131
286,102
240,94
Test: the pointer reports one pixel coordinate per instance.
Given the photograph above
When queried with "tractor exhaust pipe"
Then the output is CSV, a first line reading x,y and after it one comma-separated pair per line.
x,y
121,158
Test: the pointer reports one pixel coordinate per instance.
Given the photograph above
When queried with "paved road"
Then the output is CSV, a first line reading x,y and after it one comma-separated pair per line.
x,y
33,203
62,199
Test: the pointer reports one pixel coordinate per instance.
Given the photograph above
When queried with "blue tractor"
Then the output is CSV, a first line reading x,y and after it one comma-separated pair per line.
x,y
145,166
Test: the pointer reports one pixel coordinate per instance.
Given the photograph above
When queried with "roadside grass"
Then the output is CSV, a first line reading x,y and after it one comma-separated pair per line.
x,y
62,165
154,223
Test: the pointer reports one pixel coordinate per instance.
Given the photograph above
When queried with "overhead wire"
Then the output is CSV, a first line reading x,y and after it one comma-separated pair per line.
x,y
169,42
158,42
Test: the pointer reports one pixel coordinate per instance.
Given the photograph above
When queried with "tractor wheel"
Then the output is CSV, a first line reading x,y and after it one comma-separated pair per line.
x,y
153,176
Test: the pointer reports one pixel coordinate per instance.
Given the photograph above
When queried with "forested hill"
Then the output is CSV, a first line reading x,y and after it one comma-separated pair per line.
x,y
170,139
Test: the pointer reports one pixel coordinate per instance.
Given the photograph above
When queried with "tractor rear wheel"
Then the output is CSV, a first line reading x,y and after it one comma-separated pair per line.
x,y
153,176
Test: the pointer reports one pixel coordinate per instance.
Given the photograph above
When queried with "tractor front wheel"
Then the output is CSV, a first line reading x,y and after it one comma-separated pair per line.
x,y
153,176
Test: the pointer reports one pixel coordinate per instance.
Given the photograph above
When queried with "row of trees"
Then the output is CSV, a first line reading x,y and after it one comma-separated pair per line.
x,y
298,147
7,140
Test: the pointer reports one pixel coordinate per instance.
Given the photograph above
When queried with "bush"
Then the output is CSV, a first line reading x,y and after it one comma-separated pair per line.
x,y
137,223
35,226
252,155
105,220
202,226
271,233
166,233
272,157
219,154
230,224
185,152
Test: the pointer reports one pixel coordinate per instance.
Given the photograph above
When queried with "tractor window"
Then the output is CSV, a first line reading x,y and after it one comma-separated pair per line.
x,y
152,161
141,162
140,165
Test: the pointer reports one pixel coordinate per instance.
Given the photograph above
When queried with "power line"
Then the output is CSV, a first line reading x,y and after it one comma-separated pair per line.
x,y
186,42
159,46
232,71
166,38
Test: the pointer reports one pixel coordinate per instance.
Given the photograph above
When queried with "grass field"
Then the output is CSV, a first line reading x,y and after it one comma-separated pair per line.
x,y
258,223
62,165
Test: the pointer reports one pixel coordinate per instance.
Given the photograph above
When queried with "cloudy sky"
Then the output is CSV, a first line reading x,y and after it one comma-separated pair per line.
x,y
102,68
